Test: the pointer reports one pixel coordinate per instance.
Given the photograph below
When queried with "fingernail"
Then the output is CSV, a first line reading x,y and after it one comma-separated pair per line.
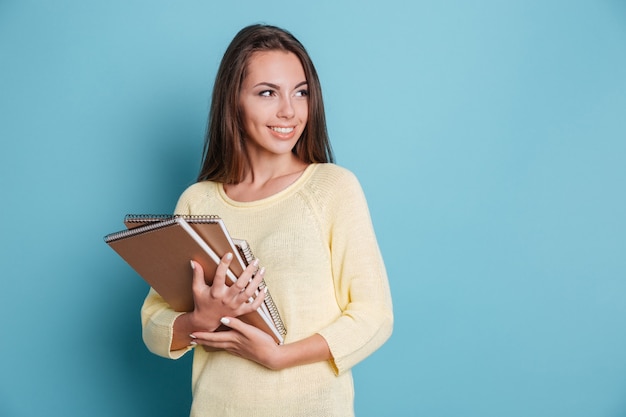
x,y
193,344
256,262
262,270
193,266
225,321
192,336
229,256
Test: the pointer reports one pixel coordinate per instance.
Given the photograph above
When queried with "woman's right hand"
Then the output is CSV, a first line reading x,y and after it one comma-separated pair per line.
x,y
212,302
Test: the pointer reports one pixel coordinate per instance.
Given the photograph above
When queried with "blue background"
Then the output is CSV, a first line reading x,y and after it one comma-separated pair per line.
x,y
489,137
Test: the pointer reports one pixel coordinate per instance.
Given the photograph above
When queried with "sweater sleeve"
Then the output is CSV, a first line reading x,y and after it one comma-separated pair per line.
x,y
157,321
157,317
360,278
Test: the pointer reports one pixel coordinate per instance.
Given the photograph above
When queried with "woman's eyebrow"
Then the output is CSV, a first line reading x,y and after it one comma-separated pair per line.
x,y
276,87
270,85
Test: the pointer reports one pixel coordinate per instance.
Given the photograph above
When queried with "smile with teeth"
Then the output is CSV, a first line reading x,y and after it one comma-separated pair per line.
x,y
282,129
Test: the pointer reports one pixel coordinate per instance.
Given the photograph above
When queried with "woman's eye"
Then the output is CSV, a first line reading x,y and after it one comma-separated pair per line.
x,y
302,93
265,93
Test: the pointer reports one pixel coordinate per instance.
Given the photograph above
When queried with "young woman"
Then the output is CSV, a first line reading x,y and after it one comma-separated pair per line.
x,y
267,171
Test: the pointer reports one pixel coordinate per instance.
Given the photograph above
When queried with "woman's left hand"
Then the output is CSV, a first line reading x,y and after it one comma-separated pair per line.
x,y
243,340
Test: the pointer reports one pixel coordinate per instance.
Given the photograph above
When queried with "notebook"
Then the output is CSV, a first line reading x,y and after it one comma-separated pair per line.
x,y
159,249
213,230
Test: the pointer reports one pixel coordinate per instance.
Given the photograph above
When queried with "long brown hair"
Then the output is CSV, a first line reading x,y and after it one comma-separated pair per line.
x,y
224,157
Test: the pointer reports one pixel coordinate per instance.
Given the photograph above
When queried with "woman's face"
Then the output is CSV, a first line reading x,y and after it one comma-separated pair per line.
x,y
274,102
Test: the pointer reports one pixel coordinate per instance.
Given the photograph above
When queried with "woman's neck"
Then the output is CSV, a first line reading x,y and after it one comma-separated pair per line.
x,y
266,177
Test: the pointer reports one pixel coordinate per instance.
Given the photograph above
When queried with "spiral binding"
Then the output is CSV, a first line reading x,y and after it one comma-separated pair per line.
x,y
153,218
271,307
246,253
150,226
146,218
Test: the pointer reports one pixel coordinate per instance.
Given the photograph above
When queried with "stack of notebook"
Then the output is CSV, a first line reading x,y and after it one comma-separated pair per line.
x,y
159,248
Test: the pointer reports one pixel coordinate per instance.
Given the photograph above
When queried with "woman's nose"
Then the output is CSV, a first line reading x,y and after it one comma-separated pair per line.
x,y
286,109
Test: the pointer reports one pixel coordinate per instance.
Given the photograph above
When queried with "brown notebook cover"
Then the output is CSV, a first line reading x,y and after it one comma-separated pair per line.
x,y
210,228
160,253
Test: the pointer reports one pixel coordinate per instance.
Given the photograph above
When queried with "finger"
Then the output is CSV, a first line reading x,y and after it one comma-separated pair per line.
x,y
212,342
219,339
253,287
231,322
259,299
198,283
245,278
241,328
220,273
206,337
258,279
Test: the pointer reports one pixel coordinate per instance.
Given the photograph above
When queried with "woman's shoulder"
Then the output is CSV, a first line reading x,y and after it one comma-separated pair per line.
x,y
332,173
201,187
330,182
197,191
333,189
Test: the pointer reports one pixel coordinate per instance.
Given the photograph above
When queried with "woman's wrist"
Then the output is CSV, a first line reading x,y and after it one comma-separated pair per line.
x,y
277,359
195,323
184,326
306,351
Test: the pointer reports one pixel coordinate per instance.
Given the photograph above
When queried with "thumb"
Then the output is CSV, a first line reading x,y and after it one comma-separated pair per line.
x,y
231,322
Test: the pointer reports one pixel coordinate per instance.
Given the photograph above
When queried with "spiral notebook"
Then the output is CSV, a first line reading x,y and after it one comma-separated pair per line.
x,y
213,230
160,247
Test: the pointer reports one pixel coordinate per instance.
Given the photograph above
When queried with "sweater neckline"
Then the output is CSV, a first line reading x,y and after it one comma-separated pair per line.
x,y
291,188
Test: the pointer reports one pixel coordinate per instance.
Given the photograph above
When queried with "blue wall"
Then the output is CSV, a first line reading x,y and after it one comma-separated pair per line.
x,y
489,137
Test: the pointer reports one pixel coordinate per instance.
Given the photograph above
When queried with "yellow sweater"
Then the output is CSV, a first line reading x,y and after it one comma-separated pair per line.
x,y
326,276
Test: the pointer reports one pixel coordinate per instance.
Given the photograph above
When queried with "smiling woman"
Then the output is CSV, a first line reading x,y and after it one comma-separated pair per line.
x,y
268,172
